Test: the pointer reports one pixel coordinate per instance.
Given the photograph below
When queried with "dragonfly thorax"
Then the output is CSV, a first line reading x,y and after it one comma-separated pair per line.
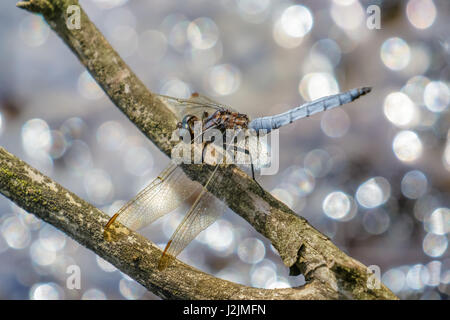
x,y
220,119
226,119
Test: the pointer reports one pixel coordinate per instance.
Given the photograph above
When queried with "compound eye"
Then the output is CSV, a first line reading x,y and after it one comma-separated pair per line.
x,y
179,125
185,122
188,121
205,114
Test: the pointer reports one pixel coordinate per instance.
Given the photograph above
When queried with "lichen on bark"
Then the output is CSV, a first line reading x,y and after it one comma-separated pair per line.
x,y
301,247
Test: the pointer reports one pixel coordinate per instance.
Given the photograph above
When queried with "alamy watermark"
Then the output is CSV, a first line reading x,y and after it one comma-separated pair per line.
x,y
74,279
73,20
374,277
374,17
212,146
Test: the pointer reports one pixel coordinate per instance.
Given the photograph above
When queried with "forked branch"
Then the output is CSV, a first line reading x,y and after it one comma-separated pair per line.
x,y
328,270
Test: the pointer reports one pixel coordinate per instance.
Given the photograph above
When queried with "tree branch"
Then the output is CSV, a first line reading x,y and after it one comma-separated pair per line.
x,y
133,254
301,247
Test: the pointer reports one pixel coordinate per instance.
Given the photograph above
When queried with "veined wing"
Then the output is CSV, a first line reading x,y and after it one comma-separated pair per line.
x,y
204,100
196,104
161,196
204,212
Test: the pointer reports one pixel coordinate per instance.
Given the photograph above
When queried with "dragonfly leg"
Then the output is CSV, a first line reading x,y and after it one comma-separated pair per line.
x,y
252,166
253,176
205,147
253,169
253,173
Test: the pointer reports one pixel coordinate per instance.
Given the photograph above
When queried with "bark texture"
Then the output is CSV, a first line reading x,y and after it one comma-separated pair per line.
x,y
330,273
132,253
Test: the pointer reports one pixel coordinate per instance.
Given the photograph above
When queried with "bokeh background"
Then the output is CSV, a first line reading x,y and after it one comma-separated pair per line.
x,y
373,175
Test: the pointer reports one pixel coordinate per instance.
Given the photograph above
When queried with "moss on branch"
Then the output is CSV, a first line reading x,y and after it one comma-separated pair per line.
x,y
133,254
301,247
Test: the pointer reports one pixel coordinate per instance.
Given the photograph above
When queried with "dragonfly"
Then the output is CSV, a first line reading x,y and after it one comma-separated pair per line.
x,y
172,186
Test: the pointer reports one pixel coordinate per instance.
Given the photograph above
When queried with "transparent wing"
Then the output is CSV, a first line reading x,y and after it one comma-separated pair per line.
x,y
201,99
201,215
161,196
195,105
205,210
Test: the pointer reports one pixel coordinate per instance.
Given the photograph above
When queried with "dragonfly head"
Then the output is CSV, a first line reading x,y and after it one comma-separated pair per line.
x,y
188,123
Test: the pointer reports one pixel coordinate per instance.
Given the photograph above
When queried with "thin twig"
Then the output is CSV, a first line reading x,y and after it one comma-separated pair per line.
x,y
301,247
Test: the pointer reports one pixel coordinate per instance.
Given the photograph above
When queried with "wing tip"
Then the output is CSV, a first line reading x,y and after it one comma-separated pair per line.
x,y
107,230
164,260
111,221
